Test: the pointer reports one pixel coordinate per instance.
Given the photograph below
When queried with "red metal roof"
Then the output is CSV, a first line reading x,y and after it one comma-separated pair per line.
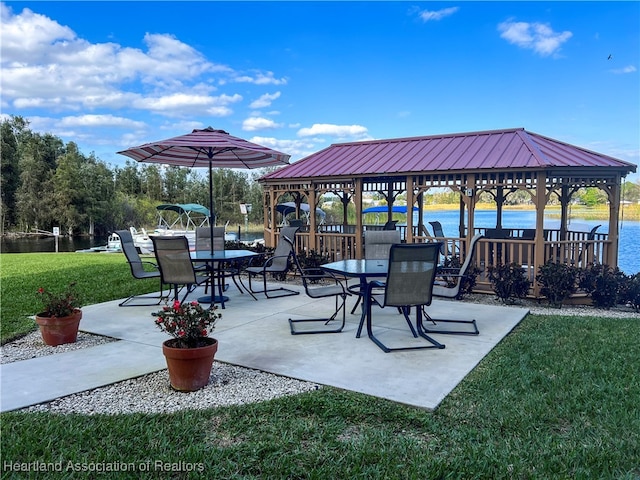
x,y
496,149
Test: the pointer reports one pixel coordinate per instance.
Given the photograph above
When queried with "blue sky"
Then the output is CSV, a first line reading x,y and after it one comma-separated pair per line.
x,y
299,76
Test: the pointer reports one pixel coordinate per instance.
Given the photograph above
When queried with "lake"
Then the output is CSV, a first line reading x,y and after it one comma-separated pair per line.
x,y
628,250
628,254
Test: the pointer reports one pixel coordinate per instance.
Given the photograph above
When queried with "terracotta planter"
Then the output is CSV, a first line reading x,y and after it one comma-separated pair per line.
x,y
58,330
189,368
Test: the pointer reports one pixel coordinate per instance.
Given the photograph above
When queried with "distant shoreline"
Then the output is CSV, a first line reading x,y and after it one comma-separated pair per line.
x,y
599,212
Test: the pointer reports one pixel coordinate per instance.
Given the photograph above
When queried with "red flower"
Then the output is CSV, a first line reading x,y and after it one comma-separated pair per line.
x,y
41,290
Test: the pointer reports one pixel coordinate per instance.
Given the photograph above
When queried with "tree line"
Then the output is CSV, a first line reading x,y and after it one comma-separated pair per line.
x,y
47,183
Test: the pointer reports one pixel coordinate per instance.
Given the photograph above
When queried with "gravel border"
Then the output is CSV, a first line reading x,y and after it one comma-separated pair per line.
x,y
152,393
32,346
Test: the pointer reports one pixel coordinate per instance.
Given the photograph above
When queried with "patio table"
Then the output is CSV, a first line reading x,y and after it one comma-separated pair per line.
x,y
219,258
363,270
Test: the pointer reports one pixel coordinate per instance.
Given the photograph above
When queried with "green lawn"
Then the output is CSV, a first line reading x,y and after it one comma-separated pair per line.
x,y
558,398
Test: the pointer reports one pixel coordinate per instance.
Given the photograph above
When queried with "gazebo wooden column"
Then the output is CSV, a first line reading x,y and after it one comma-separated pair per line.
x,y
540,199
613,191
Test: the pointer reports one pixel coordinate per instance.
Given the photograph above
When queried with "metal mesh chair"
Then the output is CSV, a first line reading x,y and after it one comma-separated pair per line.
x,y
438,233
278,263
320,284
217,271
137,270
443,288
409,283
376,246
174,261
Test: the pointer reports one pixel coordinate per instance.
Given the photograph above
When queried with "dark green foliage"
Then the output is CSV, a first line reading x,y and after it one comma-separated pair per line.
x,y
509,282
601,283
311,261
629,291
45,182
558,281
453,263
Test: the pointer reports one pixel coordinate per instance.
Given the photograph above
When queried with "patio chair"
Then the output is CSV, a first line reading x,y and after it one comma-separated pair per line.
x,y
320,284
409,283
174,261
438,233
216,271
590,237
296,222
376,246
278,263
443,288
137,269
390,225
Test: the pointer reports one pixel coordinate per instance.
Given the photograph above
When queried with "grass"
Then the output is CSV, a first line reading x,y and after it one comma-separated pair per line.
x,y
558,398
99,277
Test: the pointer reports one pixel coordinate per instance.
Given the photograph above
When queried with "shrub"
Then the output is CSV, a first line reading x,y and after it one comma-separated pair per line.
x,y
453,263
509,282
602,283
311,261
629,291
558,281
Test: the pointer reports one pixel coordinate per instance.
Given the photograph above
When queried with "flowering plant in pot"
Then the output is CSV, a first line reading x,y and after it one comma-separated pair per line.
x,y
190,352
60,318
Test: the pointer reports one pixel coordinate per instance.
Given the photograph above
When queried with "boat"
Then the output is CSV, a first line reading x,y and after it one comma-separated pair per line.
x,y
113,246
175,220
288,208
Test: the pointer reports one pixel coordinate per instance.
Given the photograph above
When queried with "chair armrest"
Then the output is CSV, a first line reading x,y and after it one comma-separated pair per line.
x,y
447,271
315,274
142,263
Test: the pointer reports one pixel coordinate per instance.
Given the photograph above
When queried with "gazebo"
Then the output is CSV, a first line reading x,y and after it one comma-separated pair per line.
x,y
499,162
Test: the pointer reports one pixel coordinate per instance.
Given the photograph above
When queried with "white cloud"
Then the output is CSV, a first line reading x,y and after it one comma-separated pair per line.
x,y
99,121
46,66
260,78
184,104
429,15
298,148
265,100
623,70
252,124
538,37
333,130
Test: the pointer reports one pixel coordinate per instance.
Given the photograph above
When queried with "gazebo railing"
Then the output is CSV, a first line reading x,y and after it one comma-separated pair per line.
x,y
577,251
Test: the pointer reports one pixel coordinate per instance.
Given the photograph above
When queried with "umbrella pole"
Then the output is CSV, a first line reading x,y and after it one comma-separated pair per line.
x,y
211,205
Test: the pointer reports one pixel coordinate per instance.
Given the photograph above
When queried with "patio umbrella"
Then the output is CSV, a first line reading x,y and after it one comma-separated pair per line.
x,y
207,148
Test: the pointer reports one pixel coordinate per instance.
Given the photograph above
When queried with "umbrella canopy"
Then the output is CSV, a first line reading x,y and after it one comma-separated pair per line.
x,y
385,209
207,148
289,207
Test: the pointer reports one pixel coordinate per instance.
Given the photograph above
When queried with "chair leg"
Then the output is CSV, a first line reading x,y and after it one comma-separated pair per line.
x,y
353,310
339,306
419,330
472,331
266,291
127,302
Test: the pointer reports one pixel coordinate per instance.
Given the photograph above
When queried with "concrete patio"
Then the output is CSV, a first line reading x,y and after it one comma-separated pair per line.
x,y
255,334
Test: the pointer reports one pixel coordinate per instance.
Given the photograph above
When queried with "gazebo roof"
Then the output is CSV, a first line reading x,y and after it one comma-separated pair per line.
x,y
478,151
